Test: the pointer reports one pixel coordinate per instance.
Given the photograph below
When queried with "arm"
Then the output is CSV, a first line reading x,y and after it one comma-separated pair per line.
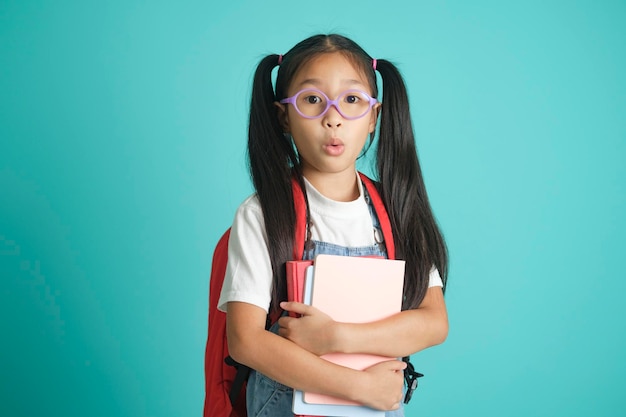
x,y
410,330
282,360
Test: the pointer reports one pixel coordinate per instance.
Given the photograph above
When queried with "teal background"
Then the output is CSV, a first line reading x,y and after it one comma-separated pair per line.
x,y
122,160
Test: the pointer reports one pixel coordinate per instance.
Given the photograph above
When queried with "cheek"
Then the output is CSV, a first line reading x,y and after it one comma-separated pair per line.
x,y
303,127
300,138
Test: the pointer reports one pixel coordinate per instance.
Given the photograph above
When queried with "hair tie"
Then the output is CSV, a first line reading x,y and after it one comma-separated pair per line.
x,y
374,62
280,59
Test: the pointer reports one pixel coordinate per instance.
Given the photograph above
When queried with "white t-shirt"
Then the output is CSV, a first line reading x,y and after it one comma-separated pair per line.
x,y
248,276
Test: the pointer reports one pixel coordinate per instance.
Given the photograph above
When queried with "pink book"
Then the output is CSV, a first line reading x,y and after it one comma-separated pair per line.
x,y
355,290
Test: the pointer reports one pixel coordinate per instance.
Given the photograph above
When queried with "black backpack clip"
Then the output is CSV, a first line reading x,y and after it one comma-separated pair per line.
x,y
410,377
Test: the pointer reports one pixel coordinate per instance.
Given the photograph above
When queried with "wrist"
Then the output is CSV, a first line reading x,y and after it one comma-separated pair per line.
x,y
361,385
340,337
333,340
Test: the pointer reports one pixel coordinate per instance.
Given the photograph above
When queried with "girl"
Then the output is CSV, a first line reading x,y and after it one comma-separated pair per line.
x,y
313,127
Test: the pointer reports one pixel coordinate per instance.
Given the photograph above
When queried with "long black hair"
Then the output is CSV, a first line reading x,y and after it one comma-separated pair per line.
x,y
274,162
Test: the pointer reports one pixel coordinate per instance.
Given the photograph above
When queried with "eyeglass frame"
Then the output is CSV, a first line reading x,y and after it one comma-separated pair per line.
x,y
292,100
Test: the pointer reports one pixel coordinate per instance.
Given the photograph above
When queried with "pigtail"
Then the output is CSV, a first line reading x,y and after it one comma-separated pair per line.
x,y
417,237
271,158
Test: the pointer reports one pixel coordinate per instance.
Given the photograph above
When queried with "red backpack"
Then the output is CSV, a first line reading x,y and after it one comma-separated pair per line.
x,y
224,378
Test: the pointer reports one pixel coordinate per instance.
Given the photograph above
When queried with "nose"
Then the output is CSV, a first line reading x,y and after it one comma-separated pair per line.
x,y
333,118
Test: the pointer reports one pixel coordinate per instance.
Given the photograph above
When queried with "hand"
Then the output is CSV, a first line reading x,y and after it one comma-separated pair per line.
x,y
313,331
384,386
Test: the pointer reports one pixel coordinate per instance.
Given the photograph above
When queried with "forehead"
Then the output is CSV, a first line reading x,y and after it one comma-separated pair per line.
x,y
329,70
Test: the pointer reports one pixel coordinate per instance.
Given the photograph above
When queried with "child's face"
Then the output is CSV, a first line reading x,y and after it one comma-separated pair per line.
x,y
330,143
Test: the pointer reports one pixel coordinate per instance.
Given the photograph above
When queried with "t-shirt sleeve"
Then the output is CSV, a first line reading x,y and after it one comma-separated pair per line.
x,y
434,279
248,276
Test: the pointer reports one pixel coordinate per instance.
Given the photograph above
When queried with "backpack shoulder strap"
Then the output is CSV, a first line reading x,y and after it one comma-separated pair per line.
x,y
410,374
301,231
381,212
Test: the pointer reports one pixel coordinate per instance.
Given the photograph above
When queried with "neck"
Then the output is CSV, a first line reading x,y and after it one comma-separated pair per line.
x,y
340,186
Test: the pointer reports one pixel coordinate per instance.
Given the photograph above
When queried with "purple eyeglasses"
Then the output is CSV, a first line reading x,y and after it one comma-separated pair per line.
x,y
312,103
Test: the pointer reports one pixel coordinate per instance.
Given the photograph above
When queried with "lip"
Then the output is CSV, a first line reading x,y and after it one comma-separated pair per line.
x,y
334,147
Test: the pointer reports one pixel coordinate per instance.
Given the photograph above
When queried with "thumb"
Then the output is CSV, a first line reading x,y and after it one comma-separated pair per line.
x,y
396,365
295,307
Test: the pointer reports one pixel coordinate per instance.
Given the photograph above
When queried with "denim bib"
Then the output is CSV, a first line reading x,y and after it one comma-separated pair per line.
x,y
268,398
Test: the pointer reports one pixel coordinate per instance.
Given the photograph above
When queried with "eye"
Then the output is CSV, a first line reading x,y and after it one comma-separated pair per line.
x,y
352,99
312,99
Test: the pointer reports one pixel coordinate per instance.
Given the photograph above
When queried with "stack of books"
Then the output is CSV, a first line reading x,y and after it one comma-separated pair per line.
x,y
349,290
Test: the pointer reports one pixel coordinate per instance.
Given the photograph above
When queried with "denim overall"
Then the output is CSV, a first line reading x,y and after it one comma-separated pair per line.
x,y
268,398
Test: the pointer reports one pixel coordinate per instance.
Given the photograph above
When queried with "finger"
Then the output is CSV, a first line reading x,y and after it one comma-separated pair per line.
x,y
295,307
396,365
283,333
284,321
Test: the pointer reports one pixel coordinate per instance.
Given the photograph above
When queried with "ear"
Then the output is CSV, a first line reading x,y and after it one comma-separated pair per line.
x,y
374,116
283,117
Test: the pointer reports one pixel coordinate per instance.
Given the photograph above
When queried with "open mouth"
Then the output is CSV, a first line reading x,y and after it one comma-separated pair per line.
x,y
334,147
